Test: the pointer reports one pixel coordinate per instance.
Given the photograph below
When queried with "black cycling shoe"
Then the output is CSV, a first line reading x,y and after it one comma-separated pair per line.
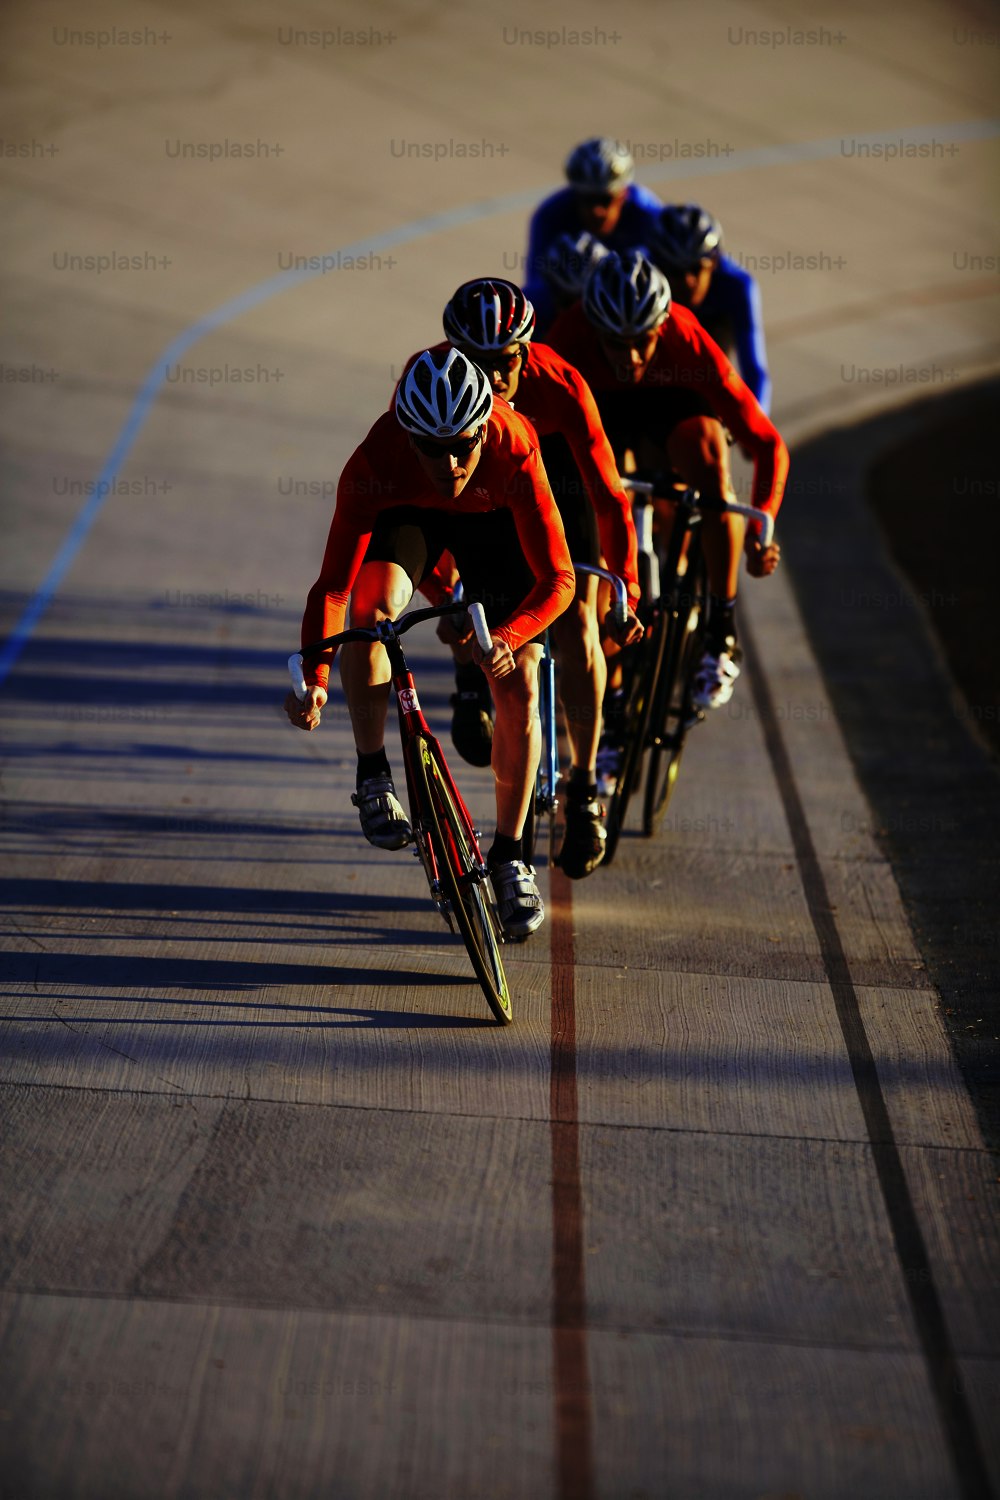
x,y
472,726
586,836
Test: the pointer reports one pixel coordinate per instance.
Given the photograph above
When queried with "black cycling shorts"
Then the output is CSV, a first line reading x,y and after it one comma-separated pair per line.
x,y
485,546
650,412
574,504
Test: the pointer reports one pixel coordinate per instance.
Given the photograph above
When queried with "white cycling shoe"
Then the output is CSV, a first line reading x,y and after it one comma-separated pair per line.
x,y
383,820
715,679
519,903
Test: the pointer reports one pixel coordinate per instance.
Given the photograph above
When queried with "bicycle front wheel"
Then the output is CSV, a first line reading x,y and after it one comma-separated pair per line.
x,y
643,675
673,712
444,821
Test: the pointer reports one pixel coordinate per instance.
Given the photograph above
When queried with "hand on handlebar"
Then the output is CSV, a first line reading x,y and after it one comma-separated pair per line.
x,y
760,560
625,634
496,663
305,714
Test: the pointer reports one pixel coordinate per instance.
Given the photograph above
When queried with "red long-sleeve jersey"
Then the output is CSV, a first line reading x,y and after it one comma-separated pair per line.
x,y
555,398
385,473
687,358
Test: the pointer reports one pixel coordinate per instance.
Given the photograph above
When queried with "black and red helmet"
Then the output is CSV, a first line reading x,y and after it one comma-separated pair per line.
x,y
488,315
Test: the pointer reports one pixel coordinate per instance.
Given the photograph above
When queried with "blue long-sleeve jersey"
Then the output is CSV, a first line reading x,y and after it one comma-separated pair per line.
x,y
732,315
558,215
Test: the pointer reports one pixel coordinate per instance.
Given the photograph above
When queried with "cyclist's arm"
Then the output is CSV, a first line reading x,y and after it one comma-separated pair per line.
x,y
350,532
543,541
755,432
549,220
584,431
737,408
647,201
748,325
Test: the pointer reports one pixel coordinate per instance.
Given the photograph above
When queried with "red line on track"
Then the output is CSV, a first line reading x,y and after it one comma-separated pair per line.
x,y
572,1380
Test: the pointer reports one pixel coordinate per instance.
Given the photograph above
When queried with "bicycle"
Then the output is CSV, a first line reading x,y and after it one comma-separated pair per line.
x,y
659,675
544,803
446,841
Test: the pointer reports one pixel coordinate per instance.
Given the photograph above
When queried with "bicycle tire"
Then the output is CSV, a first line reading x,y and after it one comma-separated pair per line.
x,y
438,817
673,703
640,694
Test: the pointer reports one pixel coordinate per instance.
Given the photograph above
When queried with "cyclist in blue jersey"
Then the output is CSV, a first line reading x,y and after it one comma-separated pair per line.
x,y
568,263
686,244
603,199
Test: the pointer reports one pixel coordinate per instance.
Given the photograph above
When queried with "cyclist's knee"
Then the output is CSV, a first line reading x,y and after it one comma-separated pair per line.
x,y
575,623
381,592
516,695
577,635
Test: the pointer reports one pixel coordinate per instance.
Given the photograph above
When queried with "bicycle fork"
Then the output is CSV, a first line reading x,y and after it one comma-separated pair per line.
x,y
413,728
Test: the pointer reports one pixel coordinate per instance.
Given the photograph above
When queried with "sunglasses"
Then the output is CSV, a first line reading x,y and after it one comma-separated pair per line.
x,y
456,447
506,364
641,341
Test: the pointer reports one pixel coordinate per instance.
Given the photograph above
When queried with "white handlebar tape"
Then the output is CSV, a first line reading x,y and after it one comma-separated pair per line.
x,y
478,617
766,528
295,673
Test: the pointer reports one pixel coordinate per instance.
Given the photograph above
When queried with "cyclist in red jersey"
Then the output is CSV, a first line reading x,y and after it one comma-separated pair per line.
x,y
491,321
664,387
451,469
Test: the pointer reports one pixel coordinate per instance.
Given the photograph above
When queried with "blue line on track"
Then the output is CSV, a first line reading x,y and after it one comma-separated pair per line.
x,y
672,171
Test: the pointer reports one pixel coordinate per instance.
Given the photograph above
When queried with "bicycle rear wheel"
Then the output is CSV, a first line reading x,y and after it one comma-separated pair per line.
x,y
640,691
442,819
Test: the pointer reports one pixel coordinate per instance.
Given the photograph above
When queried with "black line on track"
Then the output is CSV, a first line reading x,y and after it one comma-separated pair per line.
x,y
943,1370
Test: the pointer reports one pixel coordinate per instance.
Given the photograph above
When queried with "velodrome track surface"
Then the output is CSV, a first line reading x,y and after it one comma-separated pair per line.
x,y
286,1215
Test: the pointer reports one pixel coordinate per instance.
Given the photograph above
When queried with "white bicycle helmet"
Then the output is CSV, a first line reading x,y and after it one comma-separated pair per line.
x,y
600,165
626,295
570,259
443,394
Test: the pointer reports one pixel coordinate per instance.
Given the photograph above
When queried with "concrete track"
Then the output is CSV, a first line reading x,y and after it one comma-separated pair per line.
x,y
286,1215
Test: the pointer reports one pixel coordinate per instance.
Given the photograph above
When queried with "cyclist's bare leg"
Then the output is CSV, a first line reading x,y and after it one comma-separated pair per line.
x,y
381,591
698,450
583,673
517,739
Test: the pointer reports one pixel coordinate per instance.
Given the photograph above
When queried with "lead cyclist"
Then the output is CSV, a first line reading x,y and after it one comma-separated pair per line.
x,y
405,496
